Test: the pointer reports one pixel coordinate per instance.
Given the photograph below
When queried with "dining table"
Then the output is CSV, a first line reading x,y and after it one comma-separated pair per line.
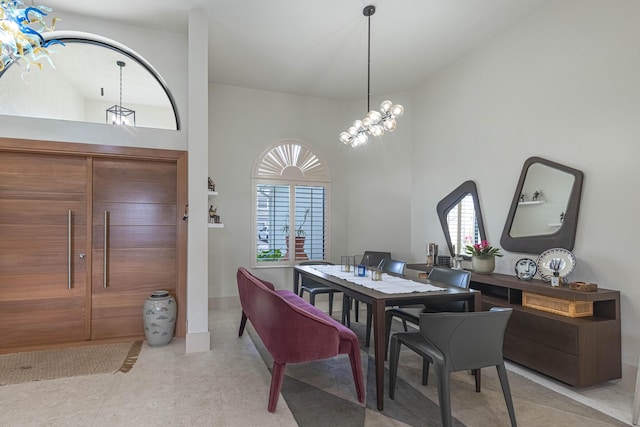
x,y
391,290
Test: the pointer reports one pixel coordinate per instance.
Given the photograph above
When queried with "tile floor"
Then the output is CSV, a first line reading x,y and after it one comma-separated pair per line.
x,y
227,386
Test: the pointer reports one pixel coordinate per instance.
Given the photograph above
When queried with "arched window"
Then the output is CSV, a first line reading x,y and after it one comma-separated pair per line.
x,y
290,187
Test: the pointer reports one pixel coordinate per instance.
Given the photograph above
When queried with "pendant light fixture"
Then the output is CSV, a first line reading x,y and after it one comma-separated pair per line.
x,y
375,122
119,115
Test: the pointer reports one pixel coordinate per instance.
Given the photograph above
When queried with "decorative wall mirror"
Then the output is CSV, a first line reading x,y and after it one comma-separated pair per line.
x,y
544,210
85,81
461,218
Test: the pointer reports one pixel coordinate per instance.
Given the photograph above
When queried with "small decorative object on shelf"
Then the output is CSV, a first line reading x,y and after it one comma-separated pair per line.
x,y
525,269
556,260
212,185
159,318
432,254
522,197
583,286
213,217
536,196
483,257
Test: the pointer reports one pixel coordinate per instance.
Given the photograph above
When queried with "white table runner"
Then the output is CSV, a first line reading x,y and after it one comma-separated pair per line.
x,y
388,285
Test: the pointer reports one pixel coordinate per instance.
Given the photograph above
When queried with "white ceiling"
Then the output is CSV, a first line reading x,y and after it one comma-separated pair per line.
x,y
320,48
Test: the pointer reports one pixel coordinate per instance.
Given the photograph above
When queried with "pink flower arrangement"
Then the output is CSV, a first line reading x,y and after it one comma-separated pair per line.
x,y
483,249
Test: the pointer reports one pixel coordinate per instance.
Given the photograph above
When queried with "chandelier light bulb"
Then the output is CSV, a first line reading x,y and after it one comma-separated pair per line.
x,y
377,130
390,125
375,116
345,137
367,122
385,107
397,110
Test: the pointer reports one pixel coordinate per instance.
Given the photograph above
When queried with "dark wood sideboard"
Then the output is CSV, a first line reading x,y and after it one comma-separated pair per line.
x,y
580,351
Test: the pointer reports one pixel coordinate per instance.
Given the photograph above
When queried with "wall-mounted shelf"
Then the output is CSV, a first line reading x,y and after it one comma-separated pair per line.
x,y
212,193
555,224
531,202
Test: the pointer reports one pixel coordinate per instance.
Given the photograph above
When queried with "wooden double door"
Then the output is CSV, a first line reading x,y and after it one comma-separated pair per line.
x,y
84,239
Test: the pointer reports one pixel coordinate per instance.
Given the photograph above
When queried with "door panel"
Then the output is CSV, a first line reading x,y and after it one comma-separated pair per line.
x,y
139,197
37,303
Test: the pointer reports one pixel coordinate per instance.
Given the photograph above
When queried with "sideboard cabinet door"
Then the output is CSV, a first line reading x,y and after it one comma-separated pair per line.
x,y
134,241
43,246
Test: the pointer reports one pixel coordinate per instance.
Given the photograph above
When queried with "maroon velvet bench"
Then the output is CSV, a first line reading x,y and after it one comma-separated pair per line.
x,y
294,331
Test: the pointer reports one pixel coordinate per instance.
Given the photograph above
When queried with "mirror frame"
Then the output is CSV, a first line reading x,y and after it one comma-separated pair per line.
x,y
452,199
89,38
565,236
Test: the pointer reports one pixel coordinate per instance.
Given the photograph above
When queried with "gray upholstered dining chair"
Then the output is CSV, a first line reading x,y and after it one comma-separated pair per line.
x,y
455,342
459,278
314,288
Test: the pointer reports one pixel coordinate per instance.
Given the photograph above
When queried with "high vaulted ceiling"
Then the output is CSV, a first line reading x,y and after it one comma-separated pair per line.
x,y
320,48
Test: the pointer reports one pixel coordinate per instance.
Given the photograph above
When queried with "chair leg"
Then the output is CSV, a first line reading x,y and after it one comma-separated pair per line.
x,y
312,298
404,324
425,371
243,323
506,390
369,322
476,374
356,370
444,396
330,303
346,311
277,376
356,306
394,355
388,319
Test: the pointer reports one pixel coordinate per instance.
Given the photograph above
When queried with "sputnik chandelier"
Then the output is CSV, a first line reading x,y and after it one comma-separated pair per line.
x,y
20,34
375,122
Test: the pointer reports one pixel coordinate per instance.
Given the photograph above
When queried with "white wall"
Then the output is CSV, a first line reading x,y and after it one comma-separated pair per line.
x,y
20,88
564,85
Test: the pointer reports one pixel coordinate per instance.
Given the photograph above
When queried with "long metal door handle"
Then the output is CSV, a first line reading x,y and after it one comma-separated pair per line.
x,y
69,249
104,247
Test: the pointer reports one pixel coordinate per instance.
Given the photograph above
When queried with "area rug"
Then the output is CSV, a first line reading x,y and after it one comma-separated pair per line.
x,y
17,368
322,393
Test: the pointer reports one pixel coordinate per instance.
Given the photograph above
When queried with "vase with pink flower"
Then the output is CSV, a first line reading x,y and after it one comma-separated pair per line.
x,y
483,257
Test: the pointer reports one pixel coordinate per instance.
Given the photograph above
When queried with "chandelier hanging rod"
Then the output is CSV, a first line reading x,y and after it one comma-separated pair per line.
x,y
368,11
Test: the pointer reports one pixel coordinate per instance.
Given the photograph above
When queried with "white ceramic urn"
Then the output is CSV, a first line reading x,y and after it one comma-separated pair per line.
x,y
159,315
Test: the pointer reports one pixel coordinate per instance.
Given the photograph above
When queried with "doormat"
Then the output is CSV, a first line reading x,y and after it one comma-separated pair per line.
x,y
17,368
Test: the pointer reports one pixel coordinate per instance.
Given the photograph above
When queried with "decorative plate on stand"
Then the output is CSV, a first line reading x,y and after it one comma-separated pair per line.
x,y
556,259
525,269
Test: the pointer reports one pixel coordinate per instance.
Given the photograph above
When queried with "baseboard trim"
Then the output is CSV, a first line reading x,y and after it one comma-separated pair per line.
x,y
198,342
